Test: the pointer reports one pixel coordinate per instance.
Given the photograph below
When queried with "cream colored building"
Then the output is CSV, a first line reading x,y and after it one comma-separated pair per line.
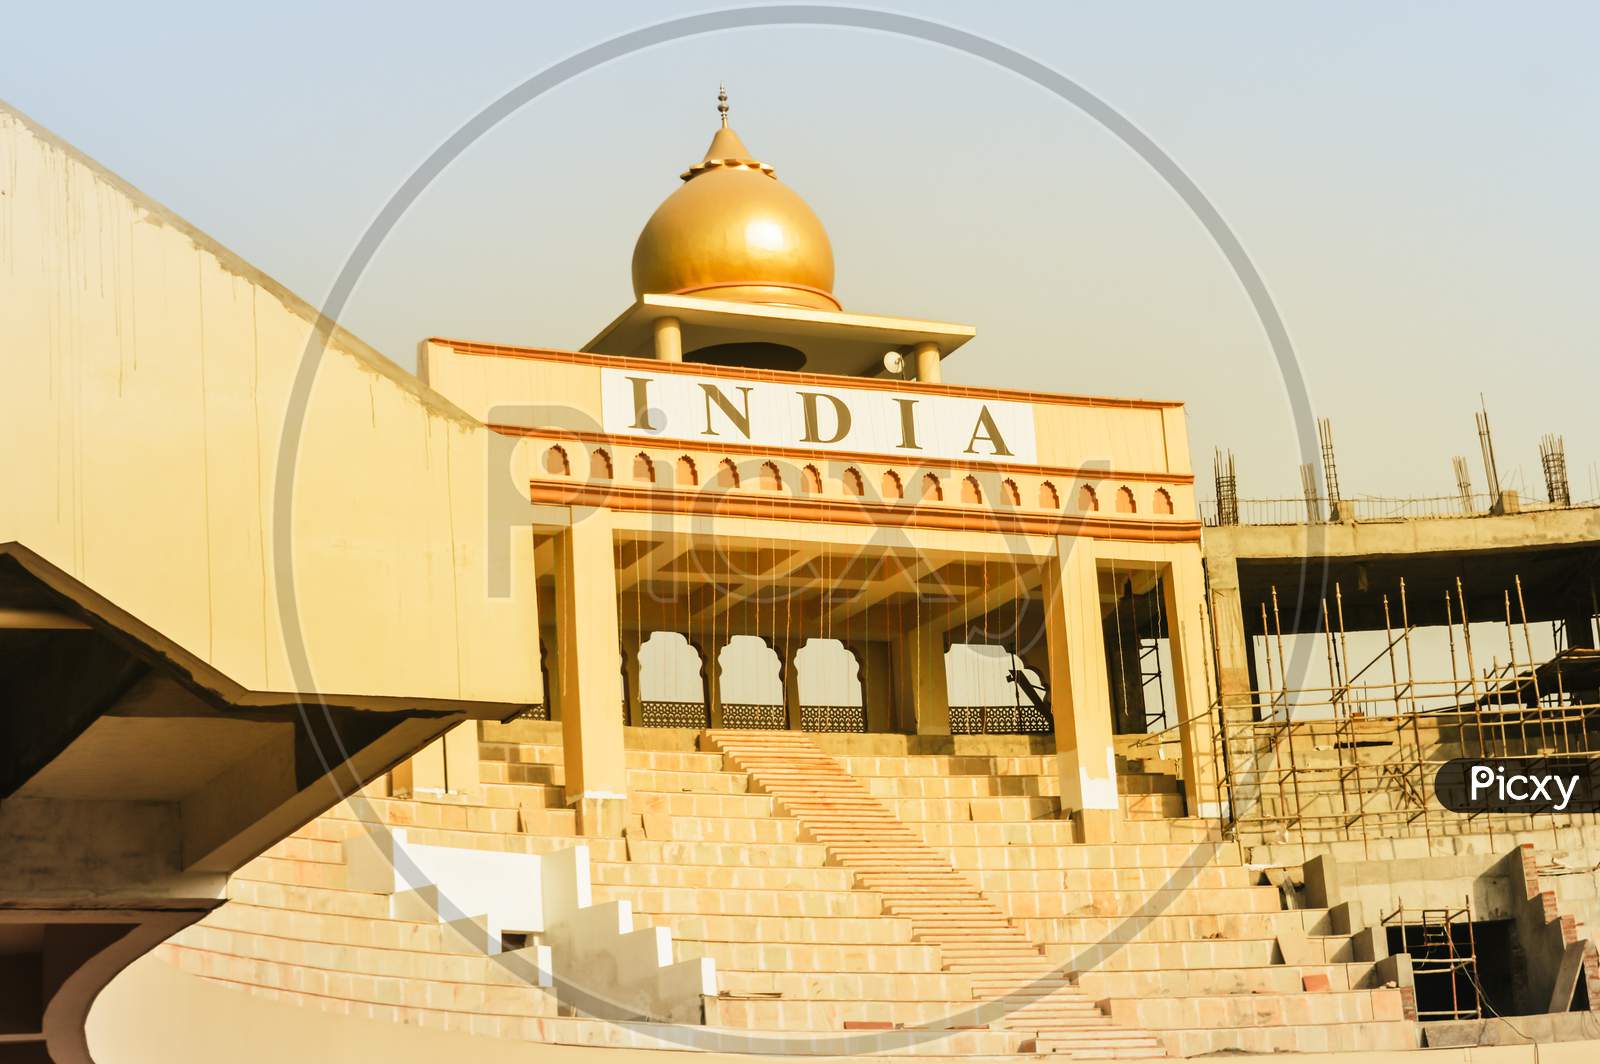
x,y
301,652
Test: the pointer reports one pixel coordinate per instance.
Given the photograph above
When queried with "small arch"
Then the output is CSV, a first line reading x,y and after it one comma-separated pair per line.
x,y
850,482
1162,503
771,479
727,474
932,490
971,491
1049,498
892,488
600,465
687,475
643,468
1008,489
1087,499
555,461
1125,503
811,480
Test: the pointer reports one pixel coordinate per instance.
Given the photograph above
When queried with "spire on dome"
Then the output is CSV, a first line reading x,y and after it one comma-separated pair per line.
x,y
726,150
722,102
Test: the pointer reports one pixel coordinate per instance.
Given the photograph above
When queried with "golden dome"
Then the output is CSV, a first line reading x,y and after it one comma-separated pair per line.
x,y
734,231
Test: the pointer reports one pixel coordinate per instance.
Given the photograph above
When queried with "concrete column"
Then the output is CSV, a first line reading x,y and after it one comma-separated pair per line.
x,y
631,641
926,358
1184,588
1080,690
588,679
669,340
877,686
461,758
1234,667
918,656
547,643
711,681
421,773
1580,628
791,683
448,765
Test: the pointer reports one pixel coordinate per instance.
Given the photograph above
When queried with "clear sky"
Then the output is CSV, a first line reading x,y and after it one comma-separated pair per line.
x,y
1416,183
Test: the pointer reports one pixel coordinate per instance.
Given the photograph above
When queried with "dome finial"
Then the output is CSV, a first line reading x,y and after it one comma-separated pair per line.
x,y
722,102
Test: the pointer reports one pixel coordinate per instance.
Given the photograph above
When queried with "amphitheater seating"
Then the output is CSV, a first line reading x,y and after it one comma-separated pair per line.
x,y
1115,950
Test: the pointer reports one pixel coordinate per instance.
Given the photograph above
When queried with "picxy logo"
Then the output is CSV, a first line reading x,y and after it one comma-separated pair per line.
x,y
1520,785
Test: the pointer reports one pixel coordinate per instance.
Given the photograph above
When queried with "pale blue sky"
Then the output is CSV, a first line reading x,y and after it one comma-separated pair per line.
x,y
1415,183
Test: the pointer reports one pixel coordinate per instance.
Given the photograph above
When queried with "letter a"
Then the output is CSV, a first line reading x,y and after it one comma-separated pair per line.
x,y
987,431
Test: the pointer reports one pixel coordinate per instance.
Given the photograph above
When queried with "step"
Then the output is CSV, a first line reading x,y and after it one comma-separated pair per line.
x,y
672,901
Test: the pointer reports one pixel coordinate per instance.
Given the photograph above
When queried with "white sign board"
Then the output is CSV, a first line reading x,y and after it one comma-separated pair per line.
x,y
713,410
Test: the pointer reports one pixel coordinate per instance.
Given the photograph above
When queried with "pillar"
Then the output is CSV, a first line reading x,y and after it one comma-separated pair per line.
x,y
1239,691
926,356
1080,696
448,765
877,686
918,656
669,340
631,642
588,679
421,773
711,681
547,642
791,683
1185,589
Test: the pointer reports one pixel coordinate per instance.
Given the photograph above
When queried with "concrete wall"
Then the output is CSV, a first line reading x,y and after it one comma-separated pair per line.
x,y
146,387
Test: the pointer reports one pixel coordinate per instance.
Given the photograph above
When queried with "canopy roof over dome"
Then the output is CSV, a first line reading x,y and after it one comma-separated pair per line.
x,y
734,232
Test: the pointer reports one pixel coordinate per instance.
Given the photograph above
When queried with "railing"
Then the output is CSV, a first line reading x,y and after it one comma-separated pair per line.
x,y
663,714
1302,511
754,715
999,720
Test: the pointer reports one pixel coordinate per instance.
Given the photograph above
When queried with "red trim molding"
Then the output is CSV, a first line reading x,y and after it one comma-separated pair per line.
x,y
834,510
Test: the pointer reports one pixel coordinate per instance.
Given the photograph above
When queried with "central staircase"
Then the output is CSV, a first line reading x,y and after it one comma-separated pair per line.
x,y
1015,986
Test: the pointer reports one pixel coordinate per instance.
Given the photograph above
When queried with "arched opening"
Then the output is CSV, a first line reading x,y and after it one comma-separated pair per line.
x,y
600,465
751,684
1125,503
771,479
811,480
1087,499
992,692
727,474
555,462
971,492
643,468
1008,488
671,688
829,679
892,488
1048,498
686,475
932,491
1162,503
850,483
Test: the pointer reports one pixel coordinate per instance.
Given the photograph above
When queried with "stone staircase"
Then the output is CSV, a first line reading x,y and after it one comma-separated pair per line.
x,y
1014,983
1166,930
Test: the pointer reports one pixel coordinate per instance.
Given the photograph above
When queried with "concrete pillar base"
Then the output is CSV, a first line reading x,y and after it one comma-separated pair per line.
x,y
601,817
1095,825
